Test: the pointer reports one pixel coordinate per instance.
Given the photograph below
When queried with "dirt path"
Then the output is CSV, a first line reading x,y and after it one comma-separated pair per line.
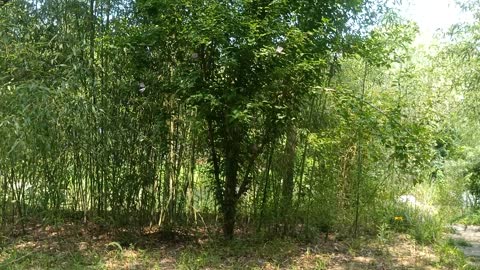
x,y
468,240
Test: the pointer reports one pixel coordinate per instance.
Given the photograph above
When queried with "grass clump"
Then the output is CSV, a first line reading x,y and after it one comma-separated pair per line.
x,y
238,254
450,256
472,217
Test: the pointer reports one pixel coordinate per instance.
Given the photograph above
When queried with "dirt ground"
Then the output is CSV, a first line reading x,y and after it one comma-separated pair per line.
x,y
90,246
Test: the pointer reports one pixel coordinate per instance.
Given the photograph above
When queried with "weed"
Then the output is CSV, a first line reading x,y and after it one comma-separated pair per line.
x,y
321,264
384,234
470,218
450,256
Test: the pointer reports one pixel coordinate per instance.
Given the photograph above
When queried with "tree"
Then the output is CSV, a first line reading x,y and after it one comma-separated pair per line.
x,y
246,66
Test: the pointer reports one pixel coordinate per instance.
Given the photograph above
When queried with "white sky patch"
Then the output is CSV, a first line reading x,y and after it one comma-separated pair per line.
x,y
433,15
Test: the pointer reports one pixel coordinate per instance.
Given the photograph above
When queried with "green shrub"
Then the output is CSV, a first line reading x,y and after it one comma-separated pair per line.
x,y
425,227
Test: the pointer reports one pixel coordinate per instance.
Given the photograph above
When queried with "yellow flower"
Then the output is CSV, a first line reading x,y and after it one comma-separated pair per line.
x,y
398,218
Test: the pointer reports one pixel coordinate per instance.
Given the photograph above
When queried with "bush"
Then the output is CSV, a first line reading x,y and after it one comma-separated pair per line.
x,y
426,229
424,226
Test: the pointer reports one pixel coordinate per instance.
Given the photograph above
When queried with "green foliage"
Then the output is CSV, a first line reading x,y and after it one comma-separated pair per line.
x,y
472,217
473,184
450,256
426,229
384,234
418,218
277,114
292,118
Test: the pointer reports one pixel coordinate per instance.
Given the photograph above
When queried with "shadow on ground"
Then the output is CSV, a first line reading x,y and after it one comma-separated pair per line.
x,y
89,246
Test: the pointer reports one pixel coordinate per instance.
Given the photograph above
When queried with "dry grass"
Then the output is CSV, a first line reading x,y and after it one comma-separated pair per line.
x,y
90,246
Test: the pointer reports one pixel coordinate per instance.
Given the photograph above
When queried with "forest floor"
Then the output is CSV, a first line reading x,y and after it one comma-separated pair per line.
x,y
90,246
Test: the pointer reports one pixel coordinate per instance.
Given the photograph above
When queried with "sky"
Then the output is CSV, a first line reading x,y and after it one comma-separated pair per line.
x,y
431,15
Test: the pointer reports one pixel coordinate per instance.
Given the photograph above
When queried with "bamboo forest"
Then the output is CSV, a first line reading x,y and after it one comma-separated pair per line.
x,y
239,134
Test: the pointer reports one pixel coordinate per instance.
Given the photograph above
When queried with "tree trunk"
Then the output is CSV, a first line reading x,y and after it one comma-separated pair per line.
x,y
229,215
288,176
232,150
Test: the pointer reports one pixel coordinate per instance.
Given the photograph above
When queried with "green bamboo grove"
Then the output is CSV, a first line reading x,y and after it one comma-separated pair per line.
x,y
275,116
